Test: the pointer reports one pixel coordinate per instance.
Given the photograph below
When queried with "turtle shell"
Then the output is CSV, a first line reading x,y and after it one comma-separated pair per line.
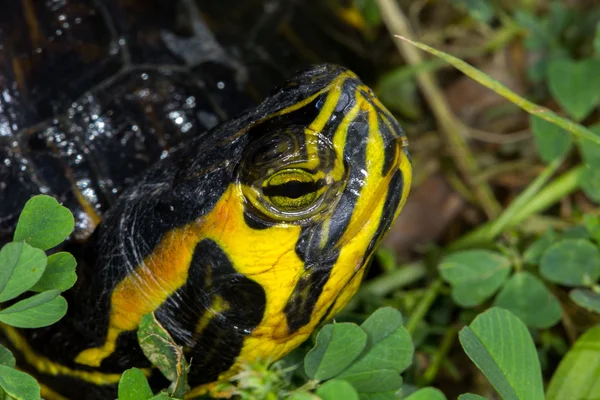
x,y
92,93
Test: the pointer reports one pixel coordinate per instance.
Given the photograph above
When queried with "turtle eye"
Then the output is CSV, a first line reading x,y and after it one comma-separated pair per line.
x,y
291,175
292,190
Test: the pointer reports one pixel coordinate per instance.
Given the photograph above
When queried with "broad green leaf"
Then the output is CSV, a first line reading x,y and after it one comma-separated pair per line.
x,y
389,345
551,141
501,347
336,389
592,224
427,394
571,262
481,10
9,258
475,275
586,298
381,323
578,374
160,348
576,232
44,223
59,274
388,395
337,346
590,151
162,396
589,181
370,11
471,396
26,263
375,381
528,298
534,252
6,357
597,39
398,90
134,386
18,385
575,85
36,311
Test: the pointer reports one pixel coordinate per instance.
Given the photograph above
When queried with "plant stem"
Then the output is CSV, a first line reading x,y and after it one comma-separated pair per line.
x,y
421,310
451,127
523,199
532,108
560,187
437,360
403,276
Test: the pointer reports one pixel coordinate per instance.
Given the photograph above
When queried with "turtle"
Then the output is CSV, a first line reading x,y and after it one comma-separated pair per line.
x,y
239,226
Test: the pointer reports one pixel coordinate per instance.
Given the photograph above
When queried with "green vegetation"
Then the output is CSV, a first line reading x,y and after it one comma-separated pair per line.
x,y
24,267
506,305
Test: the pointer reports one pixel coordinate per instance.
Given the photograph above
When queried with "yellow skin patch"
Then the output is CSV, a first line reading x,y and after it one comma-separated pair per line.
x,y
46,366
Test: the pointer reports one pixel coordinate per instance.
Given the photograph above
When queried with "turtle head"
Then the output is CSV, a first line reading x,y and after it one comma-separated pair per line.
x,y
323,176
242,241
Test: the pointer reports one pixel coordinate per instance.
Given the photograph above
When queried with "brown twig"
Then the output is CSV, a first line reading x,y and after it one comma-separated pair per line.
x,y
451,127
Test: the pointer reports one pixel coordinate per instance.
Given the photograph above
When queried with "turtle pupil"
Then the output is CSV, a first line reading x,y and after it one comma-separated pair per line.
x,y
293,189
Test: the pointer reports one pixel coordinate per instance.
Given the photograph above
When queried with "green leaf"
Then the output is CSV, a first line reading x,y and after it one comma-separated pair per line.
x,y
44,223
475,275
575,85
590,151
576,232
18,385
590,183
59,274
551,141
26,265
592,224
398,90
336,389
389,345
36,311
528,298
427,394
481,10
501,347
6,357
162,396
337,346
134,386
578,374
597,39
376,381
571,262
587,299
471,396
534,252
160,348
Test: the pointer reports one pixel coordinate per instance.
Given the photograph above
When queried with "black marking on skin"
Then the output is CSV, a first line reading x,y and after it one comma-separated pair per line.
x,y
346,99
254,222
355,151
390,146
212,274
299,308
322,258
392,200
